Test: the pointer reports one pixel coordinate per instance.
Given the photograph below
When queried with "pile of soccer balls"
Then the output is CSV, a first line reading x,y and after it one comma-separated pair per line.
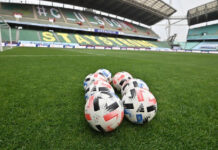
x,y
104,111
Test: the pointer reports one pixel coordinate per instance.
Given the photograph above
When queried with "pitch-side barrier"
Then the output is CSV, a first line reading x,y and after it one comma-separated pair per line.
x,y
77,46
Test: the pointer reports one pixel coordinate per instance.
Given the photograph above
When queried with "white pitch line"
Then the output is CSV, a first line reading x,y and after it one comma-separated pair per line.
x,y
90,53
82,52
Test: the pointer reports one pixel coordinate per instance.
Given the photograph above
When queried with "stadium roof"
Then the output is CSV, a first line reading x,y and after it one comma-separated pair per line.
x,y
148,12
203,13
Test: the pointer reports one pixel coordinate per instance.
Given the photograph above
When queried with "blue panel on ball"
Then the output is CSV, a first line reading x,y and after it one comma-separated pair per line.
x,y
114,95
126,112
139,118
140,85
105,74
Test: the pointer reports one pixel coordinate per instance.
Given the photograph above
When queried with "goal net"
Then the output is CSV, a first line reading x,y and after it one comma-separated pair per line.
x,y
5,35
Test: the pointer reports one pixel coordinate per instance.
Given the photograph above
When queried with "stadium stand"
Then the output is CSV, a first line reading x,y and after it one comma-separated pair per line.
x,y
203,38
78,20
148,12
45,25
187,45
205,46
27,35
35,36
209,32
199,46
5,35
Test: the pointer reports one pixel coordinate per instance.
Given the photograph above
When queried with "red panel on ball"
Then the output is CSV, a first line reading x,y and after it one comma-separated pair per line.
x,y
111,115
88,117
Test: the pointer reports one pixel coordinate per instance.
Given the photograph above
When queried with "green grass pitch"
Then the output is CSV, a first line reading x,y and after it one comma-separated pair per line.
x,y
42,99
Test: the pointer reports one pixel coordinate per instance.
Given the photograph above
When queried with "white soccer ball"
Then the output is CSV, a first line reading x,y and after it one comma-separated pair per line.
x,y
140,106
133,83
98,86
91,78
106,73
104,111
119,79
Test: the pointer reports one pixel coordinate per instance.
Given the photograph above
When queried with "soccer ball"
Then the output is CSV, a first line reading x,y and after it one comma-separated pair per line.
x,y
133,83
98,86
91,78
119,78
104,111
106,73
87,81
140,106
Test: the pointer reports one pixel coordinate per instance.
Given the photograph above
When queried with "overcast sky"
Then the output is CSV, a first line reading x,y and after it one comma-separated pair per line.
x,y
182,6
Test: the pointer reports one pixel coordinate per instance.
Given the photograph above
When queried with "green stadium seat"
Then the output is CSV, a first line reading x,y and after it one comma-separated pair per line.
x,y
161,44
191,45
10,9
28,35
70,16
59,37
204,33
92,21
5,35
